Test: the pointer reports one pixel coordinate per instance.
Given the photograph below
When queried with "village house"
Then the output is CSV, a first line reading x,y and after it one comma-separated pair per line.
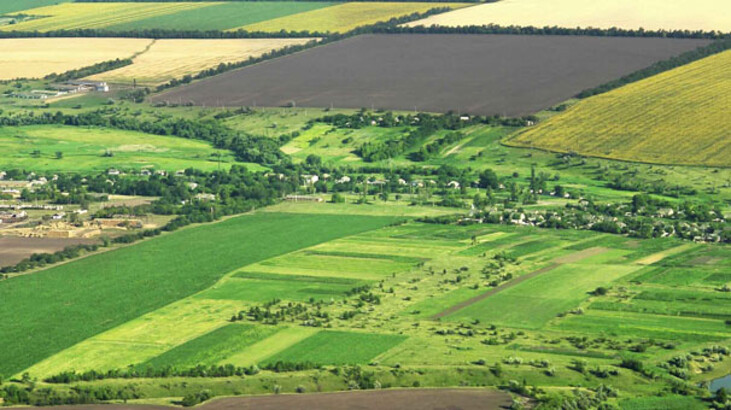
x,y
310,179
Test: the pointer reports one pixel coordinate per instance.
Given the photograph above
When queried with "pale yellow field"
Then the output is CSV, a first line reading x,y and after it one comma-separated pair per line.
x,y
628,14
37,57
680,116
168,59
344,17
68,16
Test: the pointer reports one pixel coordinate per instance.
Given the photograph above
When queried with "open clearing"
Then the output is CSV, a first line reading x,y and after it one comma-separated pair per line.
x,y
707,15
69,16
83,149
14,249
168,59
222,16
344,17
38,57
685,108
436,73
50,308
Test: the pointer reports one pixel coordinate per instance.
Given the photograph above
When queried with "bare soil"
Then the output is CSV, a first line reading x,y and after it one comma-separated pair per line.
x,y
408,399
479,74
14,249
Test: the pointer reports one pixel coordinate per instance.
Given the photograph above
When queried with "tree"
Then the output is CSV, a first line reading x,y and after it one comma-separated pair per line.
x,y
488,179
59,154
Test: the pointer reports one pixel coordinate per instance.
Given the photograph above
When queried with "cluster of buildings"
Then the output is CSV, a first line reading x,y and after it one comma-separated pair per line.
x,y
67,88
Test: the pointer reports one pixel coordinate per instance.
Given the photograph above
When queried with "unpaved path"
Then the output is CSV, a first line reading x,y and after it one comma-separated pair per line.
x,y
571,258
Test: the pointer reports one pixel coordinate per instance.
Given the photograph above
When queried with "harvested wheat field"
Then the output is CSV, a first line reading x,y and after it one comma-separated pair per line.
x,y
344,17
37,57
70,16
168,59
686,109
628,14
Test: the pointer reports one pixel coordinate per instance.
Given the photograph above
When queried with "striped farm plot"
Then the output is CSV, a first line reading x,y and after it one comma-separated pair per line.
x,y
38,57
69,16
168,59
344,17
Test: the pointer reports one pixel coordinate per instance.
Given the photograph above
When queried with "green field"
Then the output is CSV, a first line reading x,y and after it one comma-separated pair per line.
x,y
89,149
537,301
9,6
221,16
334,347
50,309
639,121
263,287
213,347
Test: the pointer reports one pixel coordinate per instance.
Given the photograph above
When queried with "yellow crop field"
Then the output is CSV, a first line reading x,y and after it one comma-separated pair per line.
x,y
678,117
344,17
628,14
168,59
37,57
68,16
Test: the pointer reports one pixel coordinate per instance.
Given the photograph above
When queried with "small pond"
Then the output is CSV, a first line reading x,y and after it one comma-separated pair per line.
x,y
721,383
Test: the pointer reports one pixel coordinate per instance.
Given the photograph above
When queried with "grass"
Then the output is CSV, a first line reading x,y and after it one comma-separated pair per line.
x,y
69,16
538,300
260,351
222,16
50,309
671,402
83,150
38,57
637,122
336,347
168,59
10,6
646,326
212,347
706,15
344,17
262,287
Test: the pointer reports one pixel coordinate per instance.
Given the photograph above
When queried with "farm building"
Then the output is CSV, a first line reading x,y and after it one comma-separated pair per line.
x,y
13,217
302,198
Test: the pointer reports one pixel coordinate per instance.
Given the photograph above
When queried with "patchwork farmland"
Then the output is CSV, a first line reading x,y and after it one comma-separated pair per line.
x,y
432,268
327,205
706,15
624,124
452,73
